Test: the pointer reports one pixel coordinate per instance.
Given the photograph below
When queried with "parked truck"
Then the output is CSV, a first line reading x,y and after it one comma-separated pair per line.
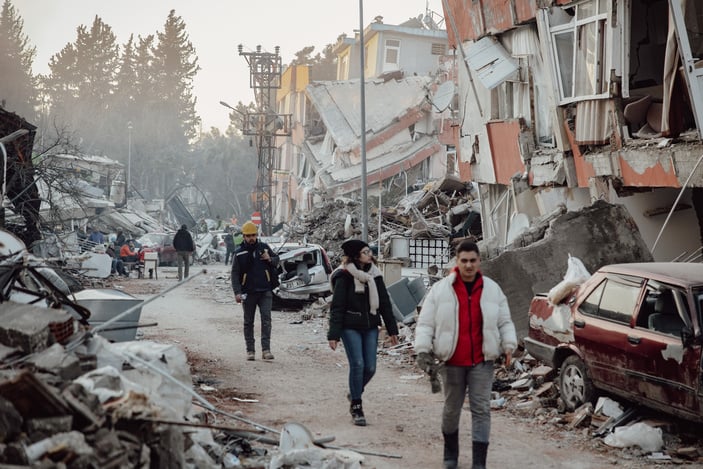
x,y
631,330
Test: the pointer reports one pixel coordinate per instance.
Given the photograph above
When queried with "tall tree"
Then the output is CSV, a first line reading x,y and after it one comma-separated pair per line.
x,y
17,86
324,66
82,81
173,111
177,67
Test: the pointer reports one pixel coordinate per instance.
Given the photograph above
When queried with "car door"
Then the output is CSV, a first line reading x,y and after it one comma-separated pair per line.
x,y
666,371
168,252
603,326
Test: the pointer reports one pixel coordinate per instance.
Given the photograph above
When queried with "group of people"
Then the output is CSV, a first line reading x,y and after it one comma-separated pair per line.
x,y
120,250
464,325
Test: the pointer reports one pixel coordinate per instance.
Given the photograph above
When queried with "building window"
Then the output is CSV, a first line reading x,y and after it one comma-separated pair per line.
x,y
392,55
439,49
452,165
579,45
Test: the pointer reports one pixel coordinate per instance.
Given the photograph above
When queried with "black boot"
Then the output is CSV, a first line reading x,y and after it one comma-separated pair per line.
x,y
451,450
480,451
357,413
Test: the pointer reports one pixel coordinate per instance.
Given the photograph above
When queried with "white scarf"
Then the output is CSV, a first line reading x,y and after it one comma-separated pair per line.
x,y
361,278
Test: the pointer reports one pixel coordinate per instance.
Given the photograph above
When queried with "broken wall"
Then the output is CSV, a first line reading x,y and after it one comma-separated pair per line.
x,y
598,235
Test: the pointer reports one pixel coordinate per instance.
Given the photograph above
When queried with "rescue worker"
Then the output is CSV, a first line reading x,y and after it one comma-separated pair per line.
x,y
254,276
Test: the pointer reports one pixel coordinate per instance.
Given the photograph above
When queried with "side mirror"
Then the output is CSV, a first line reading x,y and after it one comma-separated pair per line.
x,y
687,337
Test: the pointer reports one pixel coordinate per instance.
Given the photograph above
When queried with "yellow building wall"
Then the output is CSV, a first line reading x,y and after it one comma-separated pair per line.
x,y
293,79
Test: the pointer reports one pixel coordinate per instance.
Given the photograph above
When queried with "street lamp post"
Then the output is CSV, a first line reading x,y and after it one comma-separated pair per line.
x,y
129,160
362,98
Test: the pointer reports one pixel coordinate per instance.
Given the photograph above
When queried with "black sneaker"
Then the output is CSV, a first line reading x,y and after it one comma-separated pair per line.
x,y
357,414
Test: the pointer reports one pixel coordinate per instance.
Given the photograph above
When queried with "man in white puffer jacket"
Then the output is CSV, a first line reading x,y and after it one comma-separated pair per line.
x,y
465,323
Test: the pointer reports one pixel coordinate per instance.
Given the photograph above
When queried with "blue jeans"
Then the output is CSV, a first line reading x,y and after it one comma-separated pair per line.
x,y
264,301
360,346
479,380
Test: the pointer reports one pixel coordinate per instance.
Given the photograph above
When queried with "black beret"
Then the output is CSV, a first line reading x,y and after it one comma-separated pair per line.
x,y
353,247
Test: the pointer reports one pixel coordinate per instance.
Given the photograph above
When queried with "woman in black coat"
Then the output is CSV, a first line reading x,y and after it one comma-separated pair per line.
x,y
359,301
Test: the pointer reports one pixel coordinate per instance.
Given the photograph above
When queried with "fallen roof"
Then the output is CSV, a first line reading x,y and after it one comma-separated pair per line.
x,y
338,105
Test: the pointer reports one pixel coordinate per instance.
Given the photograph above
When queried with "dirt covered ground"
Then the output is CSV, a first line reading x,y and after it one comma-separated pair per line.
x,y
307,384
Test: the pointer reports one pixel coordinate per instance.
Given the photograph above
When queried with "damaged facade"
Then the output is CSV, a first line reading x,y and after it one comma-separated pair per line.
x,y
571,102
408,131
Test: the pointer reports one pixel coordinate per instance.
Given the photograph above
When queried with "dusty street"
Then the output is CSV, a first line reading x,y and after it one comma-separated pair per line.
x,y
307,383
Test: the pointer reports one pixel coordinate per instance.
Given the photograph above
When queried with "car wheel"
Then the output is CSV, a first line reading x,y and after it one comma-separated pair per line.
x,y
575,386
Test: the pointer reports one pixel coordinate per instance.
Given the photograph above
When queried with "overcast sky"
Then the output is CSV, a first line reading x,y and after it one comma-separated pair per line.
x,y
215,28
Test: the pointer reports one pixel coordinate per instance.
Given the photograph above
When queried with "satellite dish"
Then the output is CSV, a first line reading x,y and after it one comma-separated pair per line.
x,y
443,96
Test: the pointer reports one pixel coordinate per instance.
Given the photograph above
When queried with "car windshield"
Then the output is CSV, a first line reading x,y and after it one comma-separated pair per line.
x,y
151,239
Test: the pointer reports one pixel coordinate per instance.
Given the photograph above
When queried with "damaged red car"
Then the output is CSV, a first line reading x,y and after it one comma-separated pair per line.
x,y
631,330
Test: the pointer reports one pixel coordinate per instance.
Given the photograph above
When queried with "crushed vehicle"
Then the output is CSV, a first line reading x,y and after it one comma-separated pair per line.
x,y
631,330
210,247
304,271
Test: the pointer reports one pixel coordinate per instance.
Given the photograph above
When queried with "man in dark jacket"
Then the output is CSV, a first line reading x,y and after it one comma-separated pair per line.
x,y
184,246
254,276
229,244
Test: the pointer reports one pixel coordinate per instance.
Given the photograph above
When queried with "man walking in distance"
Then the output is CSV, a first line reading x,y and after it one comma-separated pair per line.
x,y
229,244
465,323
254,276
184,246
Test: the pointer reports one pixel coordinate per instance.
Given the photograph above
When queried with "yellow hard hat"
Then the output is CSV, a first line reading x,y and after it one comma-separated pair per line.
x,y
249,228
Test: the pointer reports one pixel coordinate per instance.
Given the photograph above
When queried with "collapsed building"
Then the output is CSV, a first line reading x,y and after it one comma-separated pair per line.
x,y
565,103
539,108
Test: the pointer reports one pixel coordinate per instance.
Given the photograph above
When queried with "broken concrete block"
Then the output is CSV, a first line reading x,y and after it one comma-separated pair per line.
x,y
58,361
85,406
546,373
581,415
688,452
521,384
27,327
547,390
608,407
40,428
110,450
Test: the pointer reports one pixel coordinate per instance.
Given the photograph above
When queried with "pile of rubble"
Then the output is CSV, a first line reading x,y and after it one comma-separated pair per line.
x,y
530,389
443,209
69,398
81,401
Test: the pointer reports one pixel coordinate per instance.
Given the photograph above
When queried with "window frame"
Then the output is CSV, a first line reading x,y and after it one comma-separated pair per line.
x,y
386,49
604,291
574,63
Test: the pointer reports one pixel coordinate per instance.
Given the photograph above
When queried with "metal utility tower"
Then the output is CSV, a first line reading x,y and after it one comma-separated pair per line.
x,y
265,124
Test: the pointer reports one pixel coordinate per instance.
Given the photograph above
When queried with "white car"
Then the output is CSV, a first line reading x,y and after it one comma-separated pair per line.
x,y
304,271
